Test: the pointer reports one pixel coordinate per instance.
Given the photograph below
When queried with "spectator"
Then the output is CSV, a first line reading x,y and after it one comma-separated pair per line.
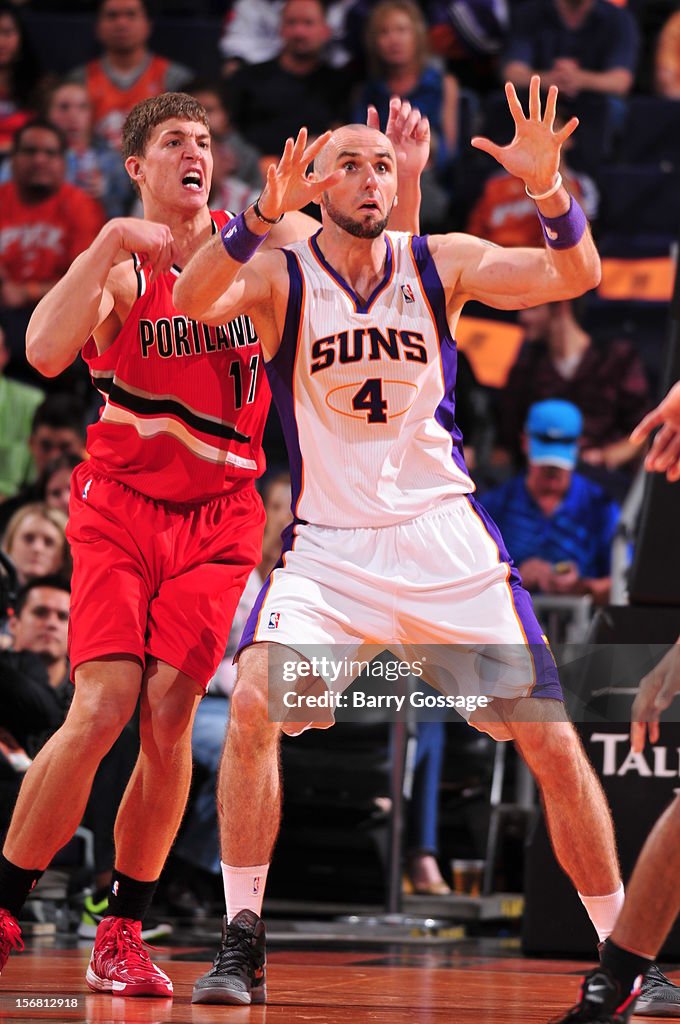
x,y
578,45
557,525
505,215
422,875
91,163
54,485
127,71
560,359
252,35
19,74
236,165
18,403
667,59
35,540
397,54
270,101
44,224
58,428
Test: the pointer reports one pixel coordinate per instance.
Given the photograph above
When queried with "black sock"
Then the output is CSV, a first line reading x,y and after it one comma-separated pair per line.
x,y
622,965
129,898
15,884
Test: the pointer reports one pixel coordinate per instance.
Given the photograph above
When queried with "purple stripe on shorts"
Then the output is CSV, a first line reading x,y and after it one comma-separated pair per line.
x,y
280,373
248,635
445,413
547,676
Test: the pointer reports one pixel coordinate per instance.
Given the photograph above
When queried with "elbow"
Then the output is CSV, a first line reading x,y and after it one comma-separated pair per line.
x,y
38,355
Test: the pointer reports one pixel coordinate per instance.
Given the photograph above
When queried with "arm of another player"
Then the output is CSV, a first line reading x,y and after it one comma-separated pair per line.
x,y
664,454
656,693
225,278
515,278
83,299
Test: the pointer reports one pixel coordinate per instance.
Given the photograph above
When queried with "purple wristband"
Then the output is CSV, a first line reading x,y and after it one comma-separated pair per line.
x,y
239,241
565,231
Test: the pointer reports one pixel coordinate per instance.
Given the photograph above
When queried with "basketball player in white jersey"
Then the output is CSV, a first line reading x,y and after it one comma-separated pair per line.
x,y
388,544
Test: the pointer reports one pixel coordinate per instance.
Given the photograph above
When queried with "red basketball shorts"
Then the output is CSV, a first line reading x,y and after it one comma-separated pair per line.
x,y
151,579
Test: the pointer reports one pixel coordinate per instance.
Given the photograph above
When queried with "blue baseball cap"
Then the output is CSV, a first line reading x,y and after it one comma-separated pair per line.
x,y
553,429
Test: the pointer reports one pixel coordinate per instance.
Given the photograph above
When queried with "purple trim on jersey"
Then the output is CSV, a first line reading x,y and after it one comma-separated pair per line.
x,y
361,307
547,676
248,635
445,412
280,372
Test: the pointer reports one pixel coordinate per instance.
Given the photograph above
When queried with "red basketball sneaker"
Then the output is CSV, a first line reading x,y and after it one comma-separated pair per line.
x,y
120,963
10,936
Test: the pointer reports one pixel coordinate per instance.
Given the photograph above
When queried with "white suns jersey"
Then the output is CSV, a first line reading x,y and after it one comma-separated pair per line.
x,y
365,391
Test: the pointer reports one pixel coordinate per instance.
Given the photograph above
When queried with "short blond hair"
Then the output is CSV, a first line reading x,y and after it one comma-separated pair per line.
x,y
149,113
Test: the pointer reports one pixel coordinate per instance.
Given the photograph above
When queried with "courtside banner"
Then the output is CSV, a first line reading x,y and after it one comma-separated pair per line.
x,y
318,685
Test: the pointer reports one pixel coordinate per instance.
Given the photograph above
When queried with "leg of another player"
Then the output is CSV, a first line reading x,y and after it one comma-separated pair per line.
x,y
54,793
578,816
653,897
153,803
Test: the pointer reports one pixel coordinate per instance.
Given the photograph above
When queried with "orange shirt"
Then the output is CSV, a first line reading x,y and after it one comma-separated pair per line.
x,y
38,242
504,214
111,104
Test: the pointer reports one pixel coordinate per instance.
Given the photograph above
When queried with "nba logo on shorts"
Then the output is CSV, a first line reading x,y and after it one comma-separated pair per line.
x,y
256,886
274,620
86,488
407,292
114,888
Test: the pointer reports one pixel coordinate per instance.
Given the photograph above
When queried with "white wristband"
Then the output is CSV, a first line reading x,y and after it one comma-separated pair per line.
x,y
546,195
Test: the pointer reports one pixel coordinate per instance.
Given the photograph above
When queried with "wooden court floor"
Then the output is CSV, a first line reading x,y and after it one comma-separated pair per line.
x,y
308,986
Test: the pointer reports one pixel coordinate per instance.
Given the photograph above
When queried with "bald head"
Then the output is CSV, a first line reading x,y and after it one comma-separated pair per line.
x,y
353,140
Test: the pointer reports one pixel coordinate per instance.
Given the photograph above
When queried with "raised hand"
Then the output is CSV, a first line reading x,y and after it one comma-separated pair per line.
x,y
287,186
534,153
664,454
409,133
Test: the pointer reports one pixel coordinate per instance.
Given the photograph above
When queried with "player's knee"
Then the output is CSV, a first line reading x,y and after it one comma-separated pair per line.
x,y
555,752
167,723
249,710
97,719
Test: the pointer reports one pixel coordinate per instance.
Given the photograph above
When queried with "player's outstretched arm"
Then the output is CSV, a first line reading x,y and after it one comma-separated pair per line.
x,y
664,454
222,279
85,297
514,278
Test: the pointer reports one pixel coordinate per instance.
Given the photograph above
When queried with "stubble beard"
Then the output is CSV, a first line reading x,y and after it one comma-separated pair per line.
x,y
356,228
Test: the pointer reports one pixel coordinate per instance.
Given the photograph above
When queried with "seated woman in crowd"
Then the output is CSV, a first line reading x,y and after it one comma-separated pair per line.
x,y
35,540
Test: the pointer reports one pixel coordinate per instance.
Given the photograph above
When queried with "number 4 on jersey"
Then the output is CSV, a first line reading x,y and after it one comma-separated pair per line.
x,y
369,399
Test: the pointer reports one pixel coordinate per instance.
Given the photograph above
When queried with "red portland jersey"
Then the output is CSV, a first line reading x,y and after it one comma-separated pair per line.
x,y
186,403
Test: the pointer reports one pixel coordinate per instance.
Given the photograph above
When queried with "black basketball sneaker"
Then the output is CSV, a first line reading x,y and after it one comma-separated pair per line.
x,y
601,1001
238,973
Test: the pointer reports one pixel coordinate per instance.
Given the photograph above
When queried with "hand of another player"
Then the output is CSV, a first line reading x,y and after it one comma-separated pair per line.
x,y
153,242
534,153
656,693
409,133
288,187
664,454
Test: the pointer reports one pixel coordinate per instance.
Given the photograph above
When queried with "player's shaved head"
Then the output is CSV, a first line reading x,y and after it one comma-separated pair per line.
x,y
349,140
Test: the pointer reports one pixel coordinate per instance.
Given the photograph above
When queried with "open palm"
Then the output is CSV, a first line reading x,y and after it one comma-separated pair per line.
x,y
534,153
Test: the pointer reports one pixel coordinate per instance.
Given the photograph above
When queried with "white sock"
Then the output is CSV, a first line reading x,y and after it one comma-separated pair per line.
x,y
603,911
244,888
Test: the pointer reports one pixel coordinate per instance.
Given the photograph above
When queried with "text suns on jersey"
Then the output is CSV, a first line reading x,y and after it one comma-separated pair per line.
x,y
374,399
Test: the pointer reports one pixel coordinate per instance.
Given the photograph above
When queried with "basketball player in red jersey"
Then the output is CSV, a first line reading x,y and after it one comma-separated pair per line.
x,y
165,523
